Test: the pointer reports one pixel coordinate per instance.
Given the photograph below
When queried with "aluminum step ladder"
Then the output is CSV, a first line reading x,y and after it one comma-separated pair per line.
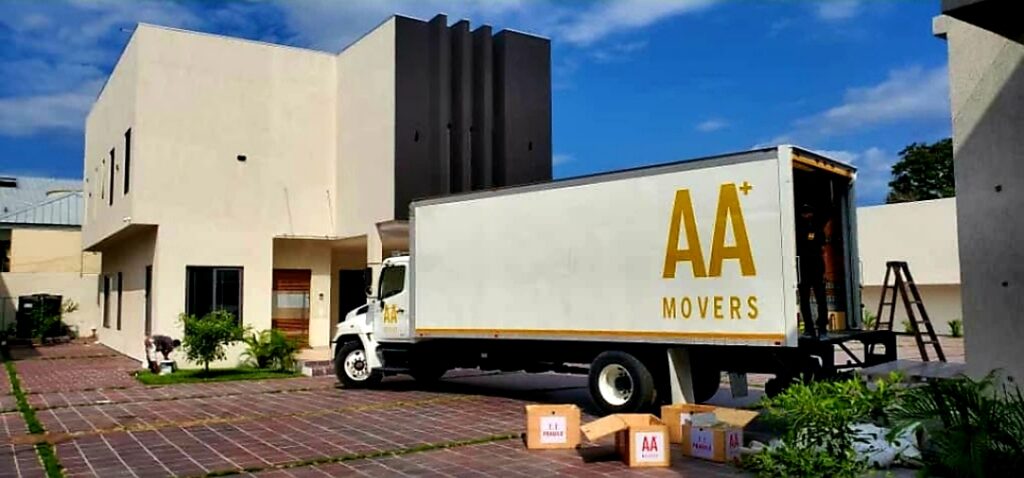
x,y
902,281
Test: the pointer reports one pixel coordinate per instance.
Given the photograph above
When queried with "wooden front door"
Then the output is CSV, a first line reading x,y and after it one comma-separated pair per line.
x,y
290,312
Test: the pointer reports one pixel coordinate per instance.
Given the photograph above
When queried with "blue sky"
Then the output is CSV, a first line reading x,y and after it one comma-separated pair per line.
x,y
634,81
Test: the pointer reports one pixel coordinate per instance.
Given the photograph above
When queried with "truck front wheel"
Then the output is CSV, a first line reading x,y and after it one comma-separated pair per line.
x,y
352,367
620,383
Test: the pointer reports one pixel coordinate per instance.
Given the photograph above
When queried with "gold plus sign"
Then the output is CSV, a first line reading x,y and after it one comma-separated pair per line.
x,y
746,187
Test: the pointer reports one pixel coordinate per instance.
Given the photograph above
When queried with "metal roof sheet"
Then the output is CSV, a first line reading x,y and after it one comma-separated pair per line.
x,y
62,210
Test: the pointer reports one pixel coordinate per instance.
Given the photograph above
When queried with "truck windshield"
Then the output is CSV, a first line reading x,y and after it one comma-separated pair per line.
x,y
392,281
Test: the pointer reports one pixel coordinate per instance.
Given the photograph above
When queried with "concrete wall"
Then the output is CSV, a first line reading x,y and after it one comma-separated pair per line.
x,y
51,261
130,257
83,289
51,250
942,302
111,115
923,233
365,171
986,93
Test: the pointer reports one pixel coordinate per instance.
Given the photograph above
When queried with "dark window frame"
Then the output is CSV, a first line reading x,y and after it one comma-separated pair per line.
x,y
106,301
148,317
113,157
120,294
127,160
190,270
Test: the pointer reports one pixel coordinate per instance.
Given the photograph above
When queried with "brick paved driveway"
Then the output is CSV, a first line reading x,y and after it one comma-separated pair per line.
x,y
106,424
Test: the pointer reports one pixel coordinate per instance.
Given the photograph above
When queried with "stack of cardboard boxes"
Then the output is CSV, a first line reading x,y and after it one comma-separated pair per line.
x,y
702,431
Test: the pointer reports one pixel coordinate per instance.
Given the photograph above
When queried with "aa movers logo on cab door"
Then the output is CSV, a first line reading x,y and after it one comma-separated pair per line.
x,y
684,253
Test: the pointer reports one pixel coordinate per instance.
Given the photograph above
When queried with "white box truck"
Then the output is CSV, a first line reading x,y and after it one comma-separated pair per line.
x,y
658,279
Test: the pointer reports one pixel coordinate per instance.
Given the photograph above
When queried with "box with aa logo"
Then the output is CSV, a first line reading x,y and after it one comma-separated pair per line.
x,y
719,440
552,426
640,439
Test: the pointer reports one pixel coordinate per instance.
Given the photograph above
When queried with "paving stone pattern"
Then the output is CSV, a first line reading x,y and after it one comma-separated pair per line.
x,y
16,460
119,427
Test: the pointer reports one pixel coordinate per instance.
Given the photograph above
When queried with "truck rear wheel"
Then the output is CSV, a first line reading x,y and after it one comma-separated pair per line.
x,y
352,367
620,383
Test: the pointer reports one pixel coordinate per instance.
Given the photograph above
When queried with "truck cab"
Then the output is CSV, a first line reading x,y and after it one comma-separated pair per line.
x,y
385,317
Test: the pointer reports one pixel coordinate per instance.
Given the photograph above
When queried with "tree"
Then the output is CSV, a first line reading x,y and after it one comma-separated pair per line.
x,y
924,171
206,337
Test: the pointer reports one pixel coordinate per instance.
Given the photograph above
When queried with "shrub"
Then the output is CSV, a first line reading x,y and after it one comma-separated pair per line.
x,y
869,320
270,348
45,324
206,337
956,328
971,429
817,418
908,328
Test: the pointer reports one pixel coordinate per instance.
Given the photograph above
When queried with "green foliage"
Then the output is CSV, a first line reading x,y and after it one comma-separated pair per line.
x,y
68,306
924,171
956,328
45,324
206,337
270,348
869,320
817,418
44,449
219,375
971,428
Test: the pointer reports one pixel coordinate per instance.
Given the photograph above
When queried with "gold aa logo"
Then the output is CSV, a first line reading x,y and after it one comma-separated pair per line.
x,y
390,314
729,214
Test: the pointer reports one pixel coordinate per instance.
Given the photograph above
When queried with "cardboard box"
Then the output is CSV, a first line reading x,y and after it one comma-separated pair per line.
x,y
675,416
640,439
721,441
552,426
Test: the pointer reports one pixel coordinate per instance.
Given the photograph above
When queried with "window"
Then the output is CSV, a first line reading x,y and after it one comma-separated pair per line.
x,y
149,301
127,160
110,198
120,291
5,250
392,281
106,301
213,288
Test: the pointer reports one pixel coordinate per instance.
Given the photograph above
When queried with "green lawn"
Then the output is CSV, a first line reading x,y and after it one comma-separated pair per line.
x,y
214,375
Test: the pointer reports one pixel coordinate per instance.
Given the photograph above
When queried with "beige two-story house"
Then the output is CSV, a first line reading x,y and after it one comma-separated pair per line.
x,y
269,181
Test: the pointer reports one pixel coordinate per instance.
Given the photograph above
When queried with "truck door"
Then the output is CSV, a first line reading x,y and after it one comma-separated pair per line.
x,y
391,317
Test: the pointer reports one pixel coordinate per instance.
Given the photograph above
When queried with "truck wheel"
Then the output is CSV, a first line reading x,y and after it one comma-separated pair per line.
x,y
620,383
352,367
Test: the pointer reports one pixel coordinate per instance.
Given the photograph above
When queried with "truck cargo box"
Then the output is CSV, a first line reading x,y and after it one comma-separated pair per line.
x,y
700,251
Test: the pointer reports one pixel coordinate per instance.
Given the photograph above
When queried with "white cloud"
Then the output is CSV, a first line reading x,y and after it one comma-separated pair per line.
x,y
711,125
833,10
606,18
25,115
908,94
559,159
874,167
62,48
330,25
617,52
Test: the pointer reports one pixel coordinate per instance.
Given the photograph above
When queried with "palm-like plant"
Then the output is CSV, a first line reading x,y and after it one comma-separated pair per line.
x,y
270,348
971,427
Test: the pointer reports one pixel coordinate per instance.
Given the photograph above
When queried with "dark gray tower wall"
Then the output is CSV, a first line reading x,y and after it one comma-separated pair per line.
x,y
522,108
472,110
